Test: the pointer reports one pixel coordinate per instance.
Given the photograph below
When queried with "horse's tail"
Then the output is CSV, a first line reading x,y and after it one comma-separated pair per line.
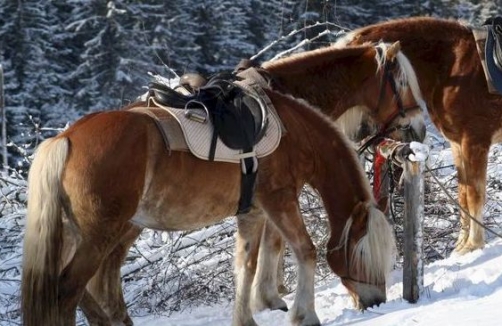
x,y
43,235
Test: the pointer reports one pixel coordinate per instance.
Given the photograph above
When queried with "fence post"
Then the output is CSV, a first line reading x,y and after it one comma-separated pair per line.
x,y
413,269
5,160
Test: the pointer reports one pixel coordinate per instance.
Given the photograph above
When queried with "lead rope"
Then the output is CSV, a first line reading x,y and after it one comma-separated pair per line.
x,y
453,201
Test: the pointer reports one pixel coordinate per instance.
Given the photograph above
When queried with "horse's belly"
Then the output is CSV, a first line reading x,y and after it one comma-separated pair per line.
x,y
191,212
185,193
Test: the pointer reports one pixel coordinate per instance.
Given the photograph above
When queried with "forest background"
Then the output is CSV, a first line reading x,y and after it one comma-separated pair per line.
x,y
63,59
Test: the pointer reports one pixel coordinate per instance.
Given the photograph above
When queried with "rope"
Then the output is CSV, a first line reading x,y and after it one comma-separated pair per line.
x,y
389,174
458,205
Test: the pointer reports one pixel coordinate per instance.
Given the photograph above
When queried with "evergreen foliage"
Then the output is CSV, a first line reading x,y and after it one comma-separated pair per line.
x,y
63,59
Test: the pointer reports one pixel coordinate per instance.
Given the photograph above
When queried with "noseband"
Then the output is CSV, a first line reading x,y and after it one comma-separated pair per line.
x,y
388,79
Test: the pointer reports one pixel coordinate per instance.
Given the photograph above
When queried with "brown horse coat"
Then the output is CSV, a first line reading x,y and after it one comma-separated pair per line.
x,y
451,77
335,80
111,170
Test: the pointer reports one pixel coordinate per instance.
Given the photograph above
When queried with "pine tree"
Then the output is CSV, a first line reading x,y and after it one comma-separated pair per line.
x,y
113,65
32,76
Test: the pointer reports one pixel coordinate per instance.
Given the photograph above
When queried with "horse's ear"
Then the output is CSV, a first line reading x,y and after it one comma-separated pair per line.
x,y
393,49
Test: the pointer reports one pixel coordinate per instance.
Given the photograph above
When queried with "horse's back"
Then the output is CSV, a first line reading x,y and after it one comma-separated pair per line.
x,y
413,29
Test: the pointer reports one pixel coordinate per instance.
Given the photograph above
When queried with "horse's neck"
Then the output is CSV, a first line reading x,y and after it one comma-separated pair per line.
x,y
338,174
324,90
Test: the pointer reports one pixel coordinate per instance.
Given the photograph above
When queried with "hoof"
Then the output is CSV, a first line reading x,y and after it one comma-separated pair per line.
x,y
273,304
467,248
285,308
306,320
278,304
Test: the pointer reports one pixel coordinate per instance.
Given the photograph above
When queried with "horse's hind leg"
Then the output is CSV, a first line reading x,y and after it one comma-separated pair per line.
x,y
284,211
84,264
471,161
249,228
93,312
265,285
105,287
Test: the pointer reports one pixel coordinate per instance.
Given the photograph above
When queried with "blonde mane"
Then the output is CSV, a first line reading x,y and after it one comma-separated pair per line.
x,y
373,248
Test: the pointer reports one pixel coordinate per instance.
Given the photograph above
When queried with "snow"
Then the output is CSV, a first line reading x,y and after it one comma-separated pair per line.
x,y
420,152
459,290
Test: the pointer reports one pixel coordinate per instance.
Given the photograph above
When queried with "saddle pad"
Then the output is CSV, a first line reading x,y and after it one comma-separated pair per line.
x,y
183,134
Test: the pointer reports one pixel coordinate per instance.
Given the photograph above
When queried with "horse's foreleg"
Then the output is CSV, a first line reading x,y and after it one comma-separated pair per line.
x,y
269,272
285,214
249,227
106,287
462,196
471,161
281,287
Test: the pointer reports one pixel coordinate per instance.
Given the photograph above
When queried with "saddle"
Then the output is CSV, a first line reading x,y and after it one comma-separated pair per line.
x,y
239,118
495,28
489,44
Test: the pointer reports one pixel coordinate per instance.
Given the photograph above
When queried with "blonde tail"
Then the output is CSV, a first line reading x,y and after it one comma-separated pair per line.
x,y
43,236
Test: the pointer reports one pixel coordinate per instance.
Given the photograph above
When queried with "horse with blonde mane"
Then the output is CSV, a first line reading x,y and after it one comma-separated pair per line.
x,y
450,72
337,80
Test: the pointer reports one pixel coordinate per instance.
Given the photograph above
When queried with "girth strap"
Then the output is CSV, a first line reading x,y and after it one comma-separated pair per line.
x,y
248,181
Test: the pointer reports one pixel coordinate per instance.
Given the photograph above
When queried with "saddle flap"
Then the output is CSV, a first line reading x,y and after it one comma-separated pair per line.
x,y
486,46
493,64
496,31
241,122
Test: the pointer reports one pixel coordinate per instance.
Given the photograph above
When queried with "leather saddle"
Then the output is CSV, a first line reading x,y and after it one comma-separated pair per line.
x,y
237,117
493,51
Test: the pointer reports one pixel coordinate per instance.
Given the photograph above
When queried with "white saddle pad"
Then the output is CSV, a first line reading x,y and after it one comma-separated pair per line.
x,y
183,134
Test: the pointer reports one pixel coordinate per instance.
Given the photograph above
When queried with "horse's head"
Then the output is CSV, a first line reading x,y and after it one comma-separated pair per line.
x,y
362,255
397,111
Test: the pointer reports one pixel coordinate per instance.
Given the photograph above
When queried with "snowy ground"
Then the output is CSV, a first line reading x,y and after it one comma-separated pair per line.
x,y
458,291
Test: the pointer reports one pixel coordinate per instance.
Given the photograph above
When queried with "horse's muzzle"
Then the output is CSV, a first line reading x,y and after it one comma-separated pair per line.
x,y
365,295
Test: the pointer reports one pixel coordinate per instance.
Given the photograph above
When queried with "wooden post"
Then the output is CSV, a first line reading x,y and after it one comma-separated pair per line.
x,y
413,269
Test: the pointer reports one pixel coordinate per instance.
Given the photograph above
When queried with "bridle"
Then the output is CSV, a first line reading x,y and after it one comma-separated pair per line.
x,y
347,261
347,267
387,79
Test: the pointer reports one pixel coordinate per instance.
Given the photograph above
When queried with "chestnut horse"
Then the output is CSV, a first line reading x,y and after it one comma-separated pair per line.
x,y
337,79
111,170
451,76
